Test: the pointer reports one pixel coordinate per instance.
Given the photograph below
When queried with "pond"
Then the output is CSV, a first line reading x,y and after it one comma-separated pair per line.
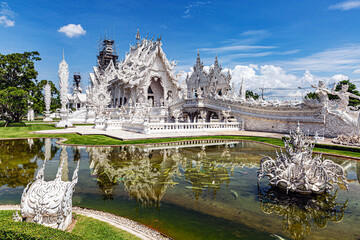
x,y
190,190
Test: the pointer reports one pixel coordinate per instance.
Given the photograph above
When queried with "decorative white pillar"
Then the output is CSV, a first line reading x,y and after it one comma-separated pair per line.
x,y
47,98
64,84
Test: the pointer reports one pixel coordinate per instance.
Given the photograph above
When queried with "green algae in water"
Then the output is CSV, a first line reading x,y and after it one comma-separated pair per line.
x,y
207,192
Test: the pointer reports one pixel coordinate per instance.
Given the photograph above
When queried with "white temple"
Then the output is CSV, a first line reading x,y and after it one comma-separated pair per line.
x,y
142,93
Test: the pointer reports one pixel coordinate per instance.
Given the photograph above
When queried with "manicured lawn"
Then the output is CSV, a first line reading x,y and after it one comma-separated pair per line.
x,y
24,132
90,228
85,228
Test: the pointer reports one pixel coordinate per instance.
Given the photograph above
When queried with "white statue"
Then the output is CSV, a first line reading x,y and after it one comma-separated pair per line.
x,y
242,90
50,202
344,96
64,84
296,170
47,98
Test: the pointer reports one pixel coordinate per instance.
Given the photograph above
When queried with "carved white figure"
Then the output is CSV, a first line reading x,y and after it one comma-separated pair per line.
x,y
322,92
344,96
242,90
50,202
176,114
296,169
226,113
47,98
64,84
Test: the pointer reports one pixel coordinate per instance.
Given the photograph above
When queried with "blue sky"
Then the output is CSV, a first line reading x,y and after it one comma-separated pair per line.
x,y
272,43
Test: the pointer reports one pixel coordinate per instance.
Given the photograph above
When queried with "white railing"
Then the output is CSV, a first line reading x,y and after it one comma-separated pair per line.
x,y
172,127
185,127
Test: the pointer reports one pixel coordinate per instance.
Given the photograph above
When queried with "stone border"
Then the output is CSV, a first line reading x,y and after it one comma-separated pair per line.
x,y
61,140
135,228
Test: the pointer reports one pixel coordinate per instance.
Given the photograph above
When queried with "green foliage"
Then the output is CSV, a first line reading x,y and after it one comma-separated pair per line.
x,y
37,93
19,88
13,104
18,70
249,94
311,95
26,231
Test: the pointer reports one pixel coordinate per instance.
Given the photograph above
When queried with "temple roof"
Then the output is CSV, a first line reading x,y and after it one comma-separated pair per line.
x,y
136,65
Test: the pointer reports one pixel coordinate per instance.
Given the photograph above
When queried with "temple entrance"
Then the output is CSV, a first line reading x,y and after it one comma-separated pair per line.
x,y
155,92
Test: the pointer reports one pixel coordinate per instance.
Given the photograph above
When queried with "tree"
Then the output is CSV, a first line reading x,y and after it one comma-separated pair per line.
x,y
14,103
17,75
249,94
37,93
18,70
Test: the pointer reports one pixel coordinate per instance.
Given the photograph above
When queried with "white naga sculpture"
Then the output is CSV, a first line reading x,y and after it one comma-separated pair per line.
x,y
296,170
49,202
47,98
64,84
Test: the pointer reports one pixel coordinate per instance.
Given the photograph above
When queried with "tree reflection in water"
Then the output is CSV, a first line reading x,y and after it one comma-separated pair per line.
x,y
18,160
145,174
300,211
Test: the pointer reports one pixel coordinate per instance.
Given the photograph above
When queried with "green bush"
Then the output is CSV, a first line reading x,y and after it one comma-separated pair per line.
x,y
17,124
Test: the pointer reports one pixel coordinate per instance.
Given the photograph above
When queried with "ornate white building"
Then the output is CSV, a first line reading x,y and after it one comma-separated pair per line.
x,y
142,93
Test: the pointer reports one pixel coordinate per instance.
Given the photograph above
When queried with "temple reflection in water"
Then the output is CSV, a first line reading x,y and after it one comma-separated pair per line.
x,y
301,212
147,172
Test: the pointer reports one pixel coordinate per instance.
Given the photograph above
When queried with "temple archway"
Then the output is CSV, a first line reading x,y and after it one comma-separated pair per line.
x,y
156,91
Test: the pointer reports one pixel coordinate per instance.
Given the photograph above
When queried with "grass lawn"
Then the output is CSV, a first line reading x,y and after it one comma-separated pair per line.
x,y
85,228
24,132
90,228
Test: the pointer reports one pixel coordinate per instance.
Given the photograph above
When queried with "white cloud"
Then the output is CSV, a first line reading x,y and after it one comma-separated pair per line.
x,y
190,8
254,32
6,15
6,10
346,5
335,59
6,22
357,71
72,30
339,77
235,48
277,82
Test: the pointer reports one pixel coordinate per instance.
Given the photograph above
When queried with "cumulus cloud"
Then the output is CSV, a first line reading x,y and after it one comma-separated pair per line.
x,y
278,83
6,15
346,5
72,30
339,77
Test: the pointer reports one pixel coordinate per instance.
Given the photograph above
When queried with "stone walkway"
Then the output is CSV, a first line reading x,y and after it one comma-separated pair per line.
x,y
125,224
126,135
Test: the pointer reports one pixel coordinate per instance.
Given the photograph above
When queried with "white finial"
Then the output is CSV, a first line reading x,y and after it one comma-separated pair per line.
x,y
63,55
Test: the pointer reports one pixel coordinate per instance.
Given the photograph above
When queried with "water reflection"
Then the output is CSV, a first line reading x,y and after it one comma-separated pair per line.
x,y
145,174
18,160
148,172
300,211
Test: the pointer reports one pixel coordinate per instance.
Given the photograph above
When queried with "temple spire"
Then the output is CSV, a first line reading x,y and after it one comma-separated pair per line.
x,y
137,37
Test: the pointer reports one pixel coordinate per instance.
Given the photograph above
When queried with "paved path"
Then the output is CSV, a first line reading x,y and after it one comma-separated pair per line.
x,y
126,135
